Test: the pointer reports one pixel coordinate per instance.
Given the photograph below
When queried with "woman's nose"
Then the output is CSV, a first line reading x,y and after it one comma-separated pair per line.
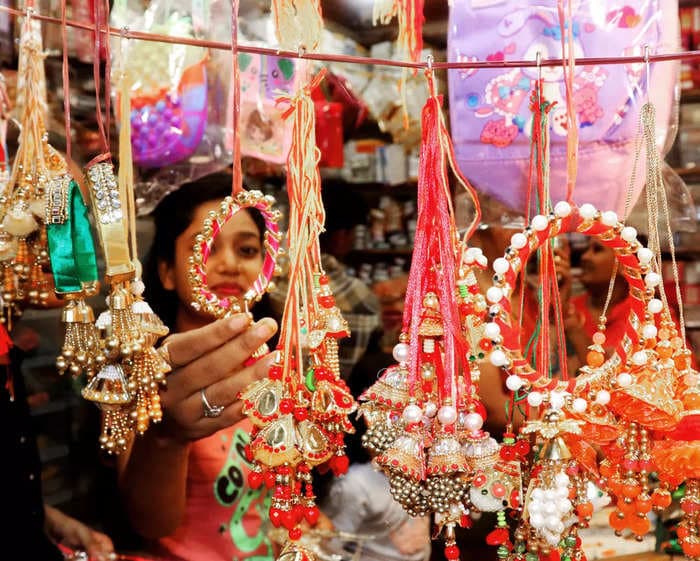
x,y
226,261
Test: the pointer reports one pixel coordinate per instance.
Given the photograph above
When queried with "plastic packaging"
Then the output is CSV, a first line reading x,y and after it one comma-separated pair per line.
x,y
492,106
178,95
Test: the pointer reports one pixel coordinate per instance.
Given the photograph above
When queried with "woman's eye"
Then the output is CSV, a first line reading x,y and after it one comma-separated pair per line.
x,y
249,251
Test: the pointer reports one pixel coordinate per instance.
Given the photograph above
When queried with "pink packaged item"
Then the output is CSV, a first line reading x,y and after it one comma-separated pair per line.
x,y
264,133
492,140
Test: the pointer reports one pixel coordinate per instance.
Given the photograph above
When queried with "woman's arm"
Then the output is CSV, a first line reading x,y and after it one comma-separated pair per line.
x,y
153,471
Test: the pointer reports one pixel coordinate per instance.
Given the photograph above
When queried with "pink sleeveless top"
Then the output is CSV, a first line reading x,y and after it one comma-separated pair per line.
x,y
224,518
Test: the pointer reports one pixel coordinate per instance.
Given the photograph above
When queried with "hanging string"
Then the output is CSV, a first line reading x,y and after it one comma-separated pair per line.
x,y
96,76
237,172
126,167
566,26
298,24
65,71
361,60
306,219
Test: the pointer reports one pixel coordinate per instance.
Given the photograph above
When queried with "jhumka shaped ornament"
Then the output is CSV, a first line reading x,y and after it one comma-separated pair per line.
x,y
300,411
127,385
23,238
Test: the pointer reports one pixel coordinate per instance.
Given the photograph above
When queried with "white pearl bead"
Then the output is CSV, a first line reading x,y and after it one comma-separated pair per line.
x,y
624,379
498,358
334,324
562,209
482,261
556,525
412,414
535,399
539,222
501,265
602,397
652,279
537,494
518,241
561,479
549,507
474,422
629,234
494,294
514,382
536,520
609,218
649,331
447,414
430,409
557,400
587,211
645,255
470,254
579,405
655,305
639,358
455,510
401,352
492,330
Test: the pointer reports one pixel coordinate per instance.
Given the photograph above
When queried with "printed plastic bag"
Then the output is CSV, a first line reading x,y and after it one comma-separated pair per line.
x,y
492,140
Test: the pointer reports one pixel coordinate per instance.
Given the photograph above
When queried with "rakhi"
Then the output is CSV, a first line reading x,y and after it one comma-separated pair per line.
x,y
300,411
127,387
23,243
202,297
72,257
423,414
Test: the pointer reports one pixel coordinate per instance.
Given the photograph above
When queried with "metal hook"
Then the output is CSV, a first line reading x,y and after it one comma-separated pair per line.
x,y
301,51
29,12
647,67
538,61
429,61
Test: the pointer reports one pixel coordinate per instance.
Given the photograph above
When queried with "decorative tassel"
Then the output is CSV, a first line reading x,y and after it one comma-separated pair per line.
x,y
80,351
36,166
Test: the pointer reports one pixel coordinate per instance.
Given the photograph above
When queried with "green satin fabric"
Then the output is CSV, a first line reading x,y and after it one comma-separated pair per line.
x,y
71,247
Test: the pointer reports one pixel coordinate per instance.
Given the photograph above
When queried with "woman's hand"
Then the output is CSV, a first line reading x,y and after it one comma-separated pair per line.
x,y
76,535
211,359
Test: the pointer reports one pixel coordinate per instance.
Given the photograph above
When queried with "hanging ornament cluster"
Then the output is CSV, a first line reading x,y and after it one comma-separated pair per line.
x,y
36,169
300,411
131,372
423,415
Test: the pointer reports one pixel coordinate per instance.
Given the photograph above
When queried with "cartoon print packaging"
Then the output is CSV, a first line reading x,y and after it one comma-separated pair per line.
x,y
265,134
493,146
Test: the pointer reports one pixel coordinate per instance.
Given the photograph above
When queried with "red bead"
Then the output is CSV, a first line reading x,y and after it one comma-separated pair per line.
x,y
275,517
452,552
275,372
301,414
339,465
311,513
255,479
323,279
485,344
295,534
288,519
286,406
269,479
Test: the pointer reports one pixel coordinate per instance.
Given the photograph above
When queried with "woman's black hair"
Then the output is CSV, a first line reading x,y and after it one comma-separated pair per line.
x,y
171,218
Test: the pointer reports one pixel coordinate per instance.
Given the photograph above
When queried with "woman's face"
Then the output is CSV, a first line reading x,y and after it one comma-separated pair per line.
x,y
234,263
597,264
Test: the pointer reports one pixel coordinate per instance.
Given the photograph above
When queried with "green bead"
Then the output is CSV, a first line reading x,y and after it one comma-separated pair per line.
x,y
509,440
531,557
463,292
502,552
569,541
520,547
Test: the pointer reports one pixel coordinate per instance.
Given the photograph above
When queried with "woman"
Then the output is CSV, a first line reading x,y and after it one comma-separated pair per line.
x,y
184,482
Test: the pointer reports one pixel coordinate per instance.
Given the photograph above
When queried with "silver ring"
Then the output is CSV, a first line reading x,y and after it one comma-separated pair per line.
x,y
210,411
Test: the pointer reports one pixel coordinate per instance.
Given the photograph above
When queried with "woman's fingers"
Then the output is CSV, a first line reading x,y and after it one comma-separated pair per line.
x,y
225,392
220,362
183,348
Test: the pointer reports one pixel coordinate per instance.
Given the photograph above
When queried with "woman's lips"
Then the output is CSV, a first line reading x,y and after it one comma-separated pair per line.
x,y
226,290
